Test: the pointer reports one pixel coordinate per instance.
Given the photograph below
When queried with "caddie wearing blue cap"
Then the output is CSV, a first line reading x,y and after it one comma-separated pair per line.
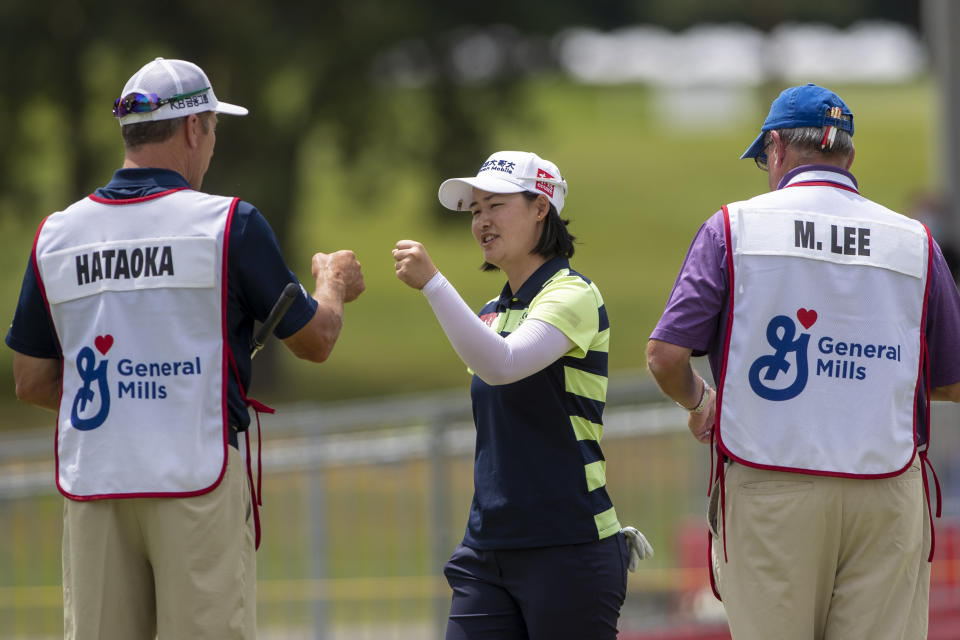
x,y
830,323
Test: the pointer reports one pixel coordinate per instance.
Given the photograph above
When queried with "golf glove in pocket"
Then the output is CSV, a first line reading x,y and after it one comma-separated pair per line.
x,y
638,547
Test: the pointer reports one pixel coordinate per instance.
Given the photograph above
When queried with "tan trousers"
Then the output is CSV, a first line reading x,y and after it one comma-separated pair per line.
x,y
821,558
167,568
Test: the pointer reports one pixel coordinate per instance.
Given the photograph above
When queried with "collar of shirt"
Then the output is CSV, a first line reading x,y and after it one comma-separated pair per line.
x,y
819,172
532,286
139,182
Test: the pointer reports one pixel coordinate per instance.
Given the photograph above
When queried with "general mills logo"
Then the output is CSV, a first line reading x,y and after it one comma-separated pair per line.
x,y
765,372
92,399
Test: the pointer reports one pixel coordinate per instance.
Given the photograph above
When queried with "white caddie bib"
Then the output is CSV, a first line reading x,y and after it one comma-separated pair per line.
x,y
823,353
136,291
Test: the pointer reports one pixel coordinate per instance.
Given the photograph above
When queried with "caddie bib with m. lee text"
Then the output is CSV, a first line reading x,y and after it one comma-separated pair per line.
x,y
136,292
824,346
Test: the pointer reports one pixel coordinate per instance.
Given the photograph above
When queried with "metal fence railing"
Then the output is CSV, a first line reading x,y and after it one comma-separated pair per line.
x,y
363,503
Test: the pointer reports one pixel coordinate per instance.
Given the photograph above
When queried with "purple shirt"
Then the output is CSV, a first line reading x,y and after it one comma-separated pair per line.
x,y
696,313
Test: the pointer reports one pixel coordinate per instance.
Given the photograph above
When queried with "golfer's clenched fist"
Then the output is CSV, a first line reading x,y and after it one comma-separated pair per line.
x,y
413,263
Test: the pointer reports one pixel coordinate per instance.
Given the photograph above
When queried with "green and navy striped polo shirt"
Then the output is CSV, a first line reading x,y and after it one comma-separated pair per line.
x,y
539,473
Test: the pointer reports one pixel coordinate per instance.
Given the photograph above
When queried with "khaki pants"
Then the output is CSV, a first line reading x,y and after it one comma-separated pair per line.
x,y
170,568
821,558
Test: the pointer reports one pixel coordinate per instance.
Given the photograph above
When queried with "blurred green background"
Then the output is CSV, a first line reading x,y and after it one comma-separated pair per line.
x,y
358,110
640,185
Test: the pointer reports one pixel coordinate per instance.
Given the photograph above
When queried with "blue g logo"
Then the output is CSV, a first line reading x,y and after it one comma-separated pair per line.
x,y
780,335
90,372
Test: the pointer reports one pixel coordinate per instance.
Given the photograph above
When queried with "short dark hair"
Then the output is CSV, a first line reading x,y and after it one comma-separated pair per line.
x,y
152,131
555,240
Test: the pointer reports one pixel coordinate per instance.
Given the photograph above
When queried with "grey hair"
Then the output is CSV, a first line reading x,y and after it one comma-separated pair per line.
x,y
807,139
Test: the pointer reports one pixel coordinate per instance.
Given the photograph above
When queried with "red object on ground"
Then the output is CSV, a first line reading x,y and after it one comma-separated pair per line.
x,y
688,632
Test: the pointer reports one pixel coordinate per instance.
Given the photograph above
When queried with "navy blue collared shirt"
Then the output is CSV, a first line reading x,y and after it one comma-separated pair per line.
x,y
256,274
539,474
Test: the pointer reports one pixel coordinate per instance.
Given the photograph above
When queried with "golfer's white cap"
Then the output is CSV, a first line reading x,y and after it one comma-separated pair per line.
x,y
164,79
507,172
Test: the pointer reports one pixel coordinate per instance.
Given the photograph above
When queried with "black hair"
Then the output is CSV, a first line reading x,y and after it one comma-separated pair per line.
x,y
555,240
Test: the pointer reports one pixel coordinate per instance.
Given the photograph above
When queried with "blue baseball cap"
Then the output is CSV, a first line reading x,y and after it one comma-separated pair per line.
x,y
805,106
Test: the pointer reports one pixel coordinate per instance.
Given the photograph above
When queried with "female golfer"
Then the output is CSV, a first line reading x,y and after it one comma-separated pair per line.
x,y
543,556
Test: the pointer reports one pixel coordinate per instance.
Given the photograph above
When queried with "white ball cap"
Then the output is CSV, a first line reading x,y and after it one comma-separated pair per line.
x,y
171,78
507,172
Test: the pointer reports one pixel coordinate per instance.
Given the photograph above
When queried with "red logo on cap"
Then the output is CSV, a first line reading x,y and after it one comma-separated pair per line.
x,y
546,187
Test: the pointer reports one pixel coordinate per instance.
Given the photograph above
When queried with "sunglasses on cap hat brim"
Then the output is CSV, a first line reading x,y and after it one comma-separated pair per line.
x,y
146,102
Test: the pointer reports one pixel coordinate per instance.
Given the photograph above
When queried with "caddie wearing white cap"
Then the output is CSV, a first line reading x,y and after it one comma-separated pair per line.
x,y
134,324
543,556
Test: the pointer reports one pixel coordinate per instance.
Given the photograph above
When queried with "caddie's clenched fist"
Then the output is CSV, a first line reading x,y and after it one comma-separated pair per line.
x,y
413,263
701,424
339,267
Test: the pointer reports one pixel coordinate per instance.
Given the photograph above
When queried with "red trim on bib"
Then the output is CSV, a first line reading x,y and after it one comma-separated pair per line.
x,y
230,364
224,368
816,472
924,373
717,472
152,196
726,349
823,183
159,494
255,488
924,463
46,303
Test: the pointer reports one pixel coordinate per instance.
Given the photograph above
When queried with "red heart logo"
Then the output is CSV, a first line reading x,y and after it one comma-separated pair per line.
x,y
103,343
806,317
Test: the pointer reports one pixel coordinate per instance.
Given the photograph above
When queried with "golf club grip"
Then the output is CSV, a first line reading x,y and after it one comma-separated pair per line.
x,y
287,296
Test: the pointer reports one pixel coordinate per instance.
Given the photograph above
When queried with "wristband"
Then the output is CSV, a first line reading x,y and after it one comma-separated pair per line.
x,y
703,400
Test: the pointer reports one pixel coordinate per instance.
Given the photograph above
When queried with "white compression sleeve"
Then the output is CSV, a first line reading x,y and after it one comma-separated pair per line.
x,y
497,360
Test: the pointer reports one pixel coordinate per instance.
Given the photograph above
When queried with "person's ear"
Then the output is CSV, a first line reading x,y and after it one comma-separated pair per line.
x,y
777,149
192,129
543,206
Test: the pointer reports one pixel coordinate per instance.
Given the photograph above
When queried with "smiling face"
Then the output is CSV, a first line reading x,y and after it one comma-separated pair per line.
x,y
507,227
